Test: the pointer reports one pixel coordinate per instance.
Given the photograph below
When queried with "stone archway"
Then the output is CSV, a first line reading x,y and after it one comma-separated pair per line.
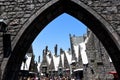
x,y
102,29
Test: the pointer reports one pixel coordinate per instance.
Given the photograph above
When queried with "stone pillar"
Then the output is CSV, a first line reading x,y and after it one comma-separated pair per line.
x,y
11,73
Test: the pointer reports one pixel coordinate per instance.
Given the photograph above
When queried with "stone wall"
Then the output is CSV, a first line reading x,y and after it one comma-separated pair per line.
x,y
99,60
16,13
108,9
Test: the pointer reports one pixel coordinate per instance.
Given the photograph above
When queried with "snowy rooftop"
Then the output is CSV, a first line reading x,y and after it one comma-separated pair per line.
x,y
69,56
83,53
56,59
56,62
27,63
49,55
38,66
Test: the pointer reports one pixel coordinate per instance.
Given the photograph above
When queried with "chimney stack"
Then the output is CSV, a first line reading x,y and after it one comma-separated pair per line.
x,y
46,49
39,59
55,48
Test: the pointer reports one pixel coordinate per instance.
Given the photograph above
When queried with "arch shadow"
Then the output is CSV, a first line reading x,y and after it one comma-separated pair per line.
x,y
101,28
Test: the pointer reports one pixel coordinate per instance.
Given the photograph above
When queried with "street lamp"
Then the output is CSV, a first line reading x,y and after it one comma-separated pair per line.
x,y
6,39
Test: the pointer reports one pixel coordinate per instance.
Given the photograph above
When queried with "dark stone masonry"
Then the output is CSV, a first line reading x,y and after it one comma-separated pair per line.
x,y
26,18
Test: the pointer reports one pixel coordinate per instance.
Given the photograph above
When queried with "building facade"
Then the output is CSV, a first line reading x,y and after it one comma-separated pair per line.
x,y
68,63
28,66
100,63
86,59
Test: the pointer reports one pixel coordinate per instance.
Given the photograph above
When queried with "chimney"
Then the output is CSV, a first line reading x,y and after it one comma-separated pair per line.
x,y
74,35
68,49
39,59
70,35
60,50
46,49
43,52
55,48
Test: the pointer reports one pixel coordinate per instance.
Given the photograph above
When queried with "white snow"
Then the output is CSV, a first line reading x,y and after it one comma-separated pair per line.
x,y
62,57
56,62
38,66
48,57
69,56
83,53
27,63
76,49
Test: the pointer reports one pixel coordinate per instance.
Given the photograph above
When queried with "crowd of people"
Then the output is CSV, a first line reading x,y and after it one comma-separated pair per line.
x,y
49,78
55,78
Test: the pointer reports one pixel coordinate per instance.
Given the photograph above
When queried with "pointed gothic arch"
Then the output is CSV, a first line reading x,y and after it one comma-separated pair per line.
x,y
102,29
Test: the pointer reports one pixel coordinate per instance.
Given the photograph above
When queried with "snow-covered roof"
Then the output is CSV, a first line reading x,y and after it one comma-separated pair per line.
x,y
83,53
38,66
76,49
62,57
48,57
69,56
27,63
56,60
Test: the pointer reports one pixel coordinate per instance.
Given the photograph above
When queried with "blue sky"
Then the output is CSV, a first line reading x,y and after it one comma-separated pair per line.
x,y
57,32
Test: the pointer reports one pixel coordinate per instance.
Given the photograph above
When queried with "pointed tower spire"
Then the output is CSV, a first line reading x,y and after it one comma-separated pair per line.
x,y
30,50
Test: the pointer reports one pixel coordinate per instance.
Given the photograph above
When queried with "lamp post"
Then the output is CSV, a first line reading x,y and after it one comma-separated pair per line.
x,y
6,39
